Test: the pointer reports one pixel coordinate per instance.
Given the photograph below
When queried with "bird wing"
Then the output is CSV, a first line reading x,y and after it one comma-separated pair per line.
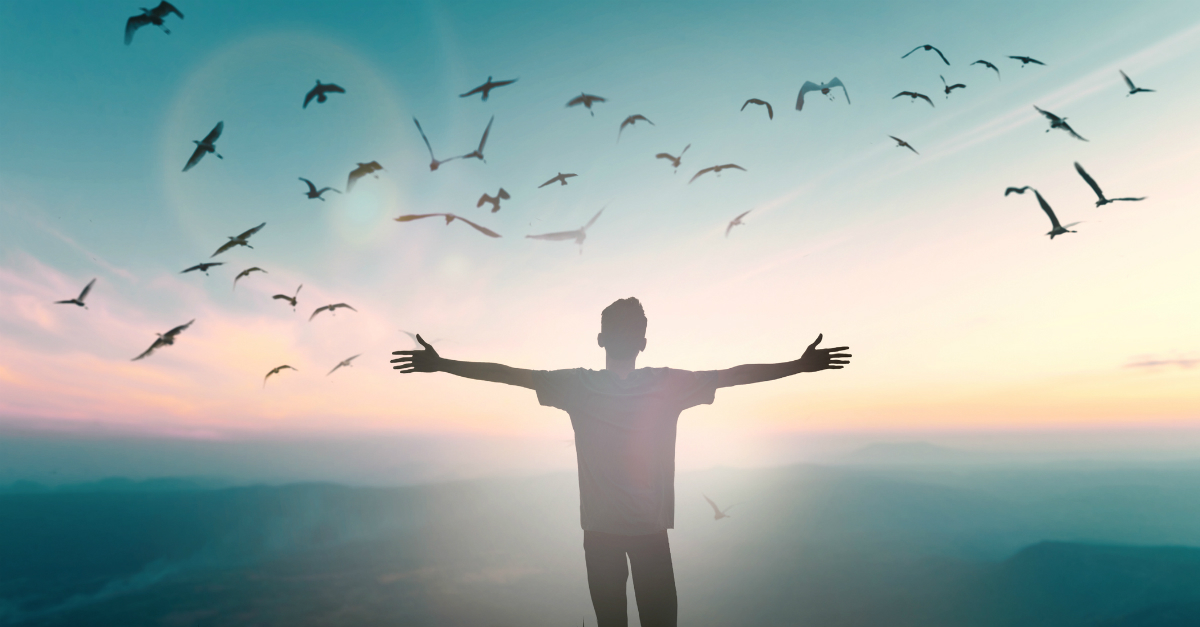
x,y
558,177
593,220
597,98
485,231
1130,199
1072,131
319,310
685,149
131,26
1127,81
1033,60
197,155
165,8
1090,181
957,85
195,267
411,217
717,511
333,88
503,83
903,57
743,214
903,93
576,100
1046,207
332,307
281,297
804,89
312,189
484,198
340,363
252,231
1017,190
926,99
327,189
770,111
556,237
473,91
215,133
943,59
179,329
1049,116
147,352
708,169
487,130
87,288
503,194
732,165
224,247
355,174
312,93
663,155
835,82
424,138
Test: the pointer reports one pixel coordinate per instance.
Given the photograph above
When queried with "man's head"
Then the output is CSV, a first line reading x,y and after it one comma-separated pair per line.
x,y
623,329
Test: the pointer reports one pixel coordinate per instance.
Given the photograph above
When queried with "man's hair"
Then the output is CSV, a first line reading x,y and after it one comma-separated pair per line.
x,y
623,324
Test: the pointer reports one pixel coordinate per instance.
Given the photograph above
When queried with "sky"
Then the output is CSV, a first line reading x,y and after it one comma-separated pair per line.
x,y
961,314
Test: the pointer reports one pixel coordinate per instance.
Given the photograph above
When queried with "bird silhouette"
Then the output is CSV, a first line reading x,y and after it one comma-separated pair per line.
x,y
345,363
717,513
450,217
165,339
674,160
561,178
478,153
313,192
716,169
78,300
914,95
987,64
630,121
586,100
736,222
823,88
362,170
900,143
319,92
276,370
331,309
950,88
1057,229
1057,122
246,272
1096,188
770,111
1026,60
205,146
240,240
290,299
928,47
1132,89
433,165
203,267
579,235
487,88
495,200
150,16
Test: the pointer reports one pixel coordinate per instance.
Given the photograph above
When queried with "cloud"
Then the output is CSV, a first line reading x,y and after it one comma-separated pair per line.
x,y
1161,363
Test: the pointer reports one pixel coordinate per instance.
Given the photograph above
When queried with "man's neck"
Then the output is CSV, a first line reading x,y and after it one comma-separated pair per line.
x,y
620,367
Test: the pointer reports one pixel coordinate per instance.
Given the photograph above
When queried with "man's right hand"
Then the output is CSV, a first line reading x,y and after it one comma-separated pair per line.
x,y
426,360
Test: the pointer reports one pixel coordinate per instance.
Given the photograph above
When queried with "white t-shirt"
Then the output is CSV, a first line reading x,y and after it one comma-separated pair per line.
x,y
625,440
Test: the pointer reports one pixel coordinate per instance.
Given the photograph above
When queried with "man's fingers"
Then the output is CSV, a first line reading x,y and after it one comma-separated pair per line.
x,y
400,359
834,350
403,352
422,342
816,341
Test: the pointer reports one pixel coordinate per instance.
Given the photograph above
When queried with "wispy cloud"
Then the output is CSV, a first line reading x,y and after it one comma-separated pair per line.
x,y
1164,363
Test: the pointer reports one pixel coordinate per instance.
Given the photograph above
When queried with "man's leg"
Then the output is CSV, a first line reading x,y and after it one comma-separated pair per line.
x,y
654,580
607,573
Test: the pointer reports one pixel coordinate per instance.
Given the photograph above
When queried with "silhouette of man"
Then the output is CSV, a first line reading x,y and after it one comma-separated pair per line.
x,y
624,420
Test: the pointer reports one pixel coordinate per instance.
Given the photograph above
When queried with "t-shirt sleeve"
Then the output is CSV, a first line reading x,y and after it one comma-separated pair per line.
x,y
689,389
557,388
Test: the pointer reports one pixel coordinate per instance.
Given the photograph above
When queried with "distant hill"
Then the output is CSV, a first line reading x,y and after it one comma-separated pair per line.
x,y
908,453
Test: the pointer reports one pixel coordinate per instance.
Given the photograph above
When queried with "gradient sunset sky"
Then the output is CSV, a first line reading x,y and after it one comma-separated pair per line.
x,y
960,312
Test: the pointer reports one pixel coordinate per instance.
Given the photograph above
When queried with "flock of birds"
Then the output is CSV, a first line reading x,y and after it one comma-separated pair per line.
x,y
321,94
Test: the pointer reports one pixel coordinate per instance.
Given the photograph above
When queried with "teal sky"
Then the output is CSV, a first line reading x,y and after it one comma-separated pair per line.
x,y
961,312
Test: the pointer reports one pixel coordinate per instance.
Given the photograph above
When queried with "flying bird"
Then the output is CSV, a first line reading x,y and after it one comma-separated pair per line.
x,y
914,95
630,121
319,92
900,143
487,88
345,363
313,192
205,146
165,339
450,217
362,170
240,240
276,370
330,309
736,222
987,64
928,47
1057,122
950,88
290,299
150,16
770,111
561,178
1058,228
1091,183
585,100
203,267
1026,60
823,88
1132,89
674,160
478,154
246,272
78,300
495,200
716,169
717,513
433,165
578,235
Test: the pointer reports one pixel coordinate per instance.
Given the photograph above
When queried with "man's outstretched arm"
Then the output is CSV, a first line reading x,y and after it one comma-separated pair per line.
x,y
813,360
428,360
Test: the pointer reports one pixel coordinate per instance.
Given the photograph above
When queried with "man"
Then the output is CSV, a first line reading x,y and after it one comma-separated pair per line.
x,y
624,420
